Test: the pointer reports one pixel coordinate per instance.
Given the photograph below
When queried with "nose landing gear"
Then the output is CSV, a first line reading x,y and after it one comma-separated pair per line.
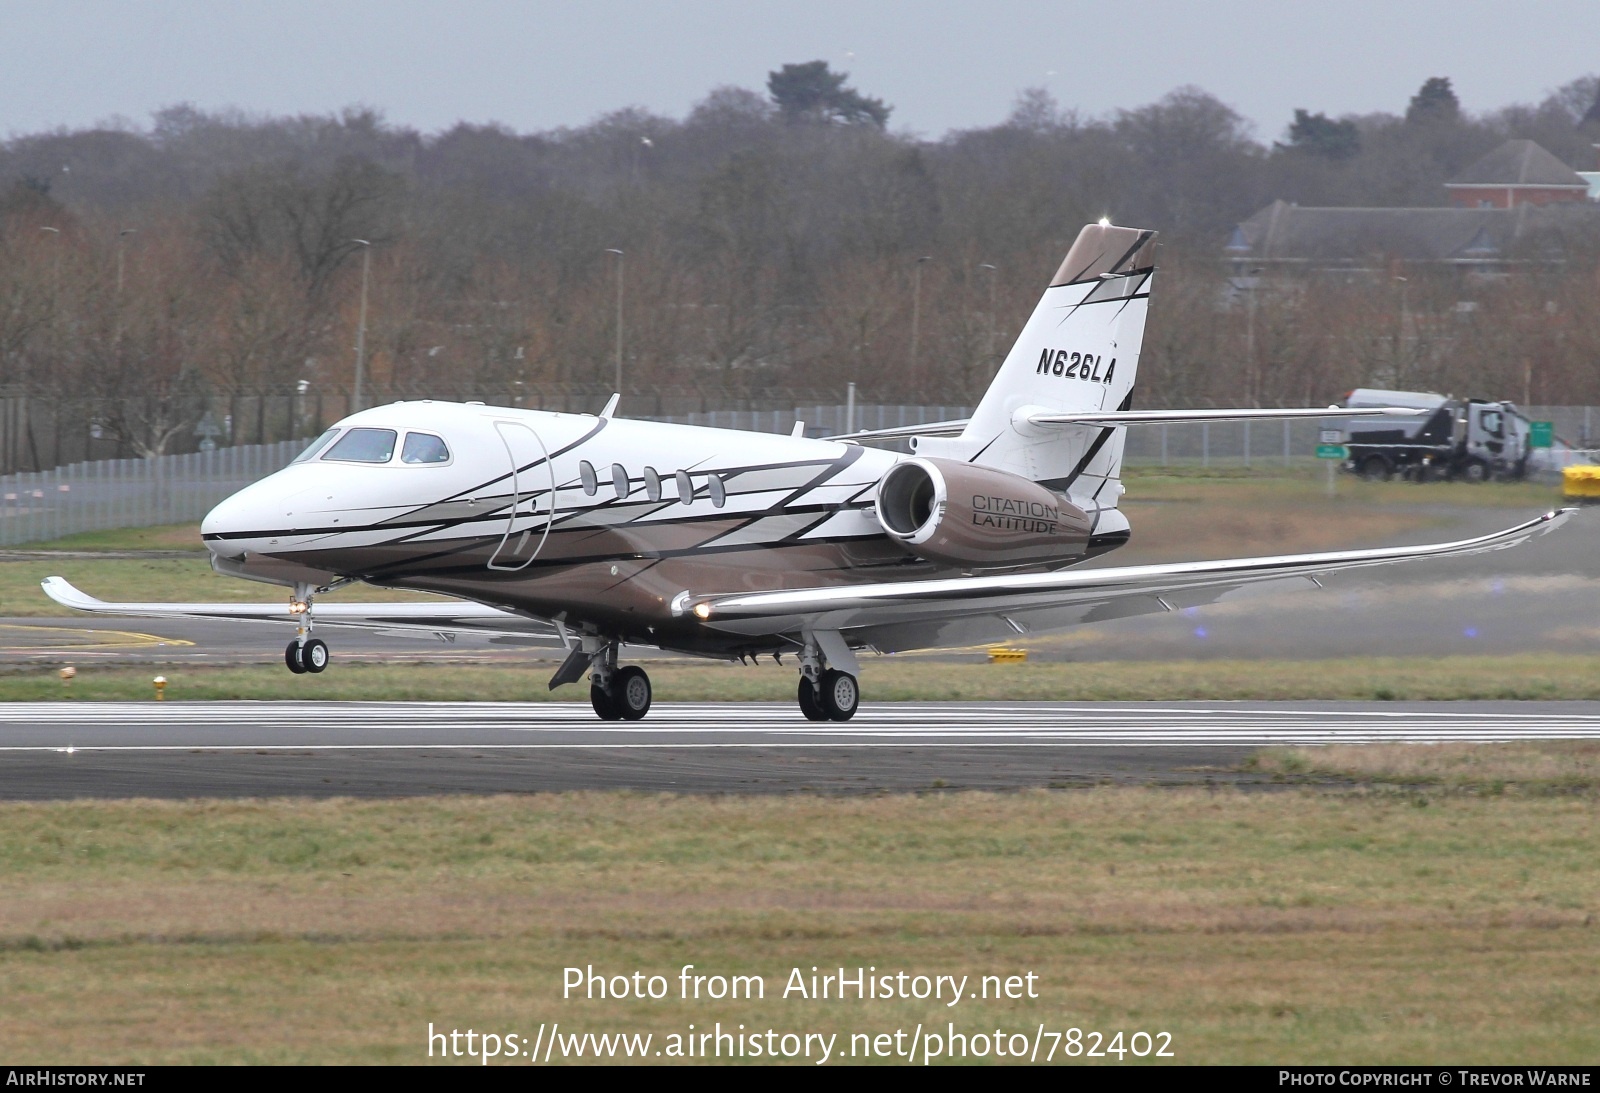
x,y
305,653
310,657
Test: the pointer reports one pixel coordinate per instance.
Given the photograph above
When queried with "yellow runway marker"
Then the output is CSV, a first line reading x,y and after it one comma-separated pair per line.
x,y
80,638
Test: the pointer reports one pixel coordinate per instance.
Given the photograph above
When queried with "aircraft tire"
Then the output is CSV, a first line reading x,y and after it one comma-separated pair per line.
x,y
291,657
314,655
603,704
841,694
630,692
808,701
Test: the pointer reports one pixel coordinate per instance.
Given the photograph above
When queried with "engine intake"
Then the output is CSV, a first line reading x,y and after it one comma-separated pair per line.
x,y
977,517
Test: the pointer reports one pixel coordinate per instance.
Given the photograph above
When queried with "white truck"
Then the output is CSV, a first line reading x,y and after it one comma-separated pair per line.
x,y
1473,440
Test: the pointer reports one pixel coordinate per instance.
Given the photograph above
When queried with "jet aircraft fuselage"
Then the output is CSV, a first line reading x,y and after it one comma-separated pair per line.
x,y
605,522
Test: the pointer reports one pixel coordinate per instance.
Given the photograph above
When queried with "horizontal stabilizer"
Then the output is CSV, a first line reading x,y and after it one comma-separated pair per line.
x,y
1175,417
932,428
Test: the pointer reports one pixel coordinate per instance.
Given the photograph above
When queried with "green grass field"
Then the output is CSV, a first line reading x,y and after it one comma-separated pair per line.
x,y
1384,926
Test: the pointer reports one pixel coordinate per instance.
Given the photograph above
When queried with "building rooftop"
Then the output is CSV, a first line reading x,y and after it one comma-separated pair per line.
x,y
1282,232
1518,163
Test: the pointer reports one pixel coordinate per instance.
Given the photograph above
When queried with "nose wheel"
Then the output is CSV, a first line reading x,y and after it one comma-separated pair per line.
x,y
311,656
305,653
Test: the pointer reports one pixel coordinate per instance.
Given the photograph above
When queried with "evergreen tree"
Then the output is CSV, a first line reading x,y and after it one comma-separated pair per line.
x,y
814,92
1320,135
1434,101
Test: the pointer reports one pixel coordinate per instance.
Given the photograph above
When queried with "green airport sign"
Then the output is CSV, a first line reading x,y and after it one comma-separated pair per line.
x,y
1541,434
1331,451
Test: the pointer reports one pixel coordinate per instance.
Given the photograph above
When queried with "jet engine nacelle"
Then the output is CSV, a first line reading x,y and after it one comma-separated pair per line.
x,y
977,517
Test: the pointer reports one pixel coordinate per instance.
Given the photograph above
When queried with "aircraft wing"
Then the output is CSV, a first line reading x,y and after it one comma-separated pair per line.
x,y
432,617
915,614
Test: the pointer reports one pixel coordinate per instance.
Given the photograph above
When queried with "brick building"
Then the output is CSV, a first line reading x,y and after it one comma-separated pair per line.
x,y
1516,205
1519,172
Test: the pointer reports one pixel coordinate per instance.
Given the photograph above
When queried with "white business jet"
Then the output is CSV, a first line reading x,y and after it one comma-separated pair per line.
x,y
733,544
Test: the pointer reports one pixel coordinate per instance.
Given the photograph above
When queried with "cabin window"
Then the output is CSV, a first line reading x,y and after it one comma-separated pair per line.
x,y
316,445
364,446
591,481
652,484
685,488
719,494
424,448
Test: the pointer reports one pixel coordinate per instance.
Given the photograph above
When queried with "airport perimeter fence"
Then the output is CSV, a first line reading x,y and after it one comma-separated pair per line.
x,y
38,506
175,489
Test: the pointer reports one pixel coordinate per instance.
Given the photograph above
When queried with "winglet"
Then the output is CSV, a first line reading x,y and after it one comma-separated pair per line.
x,y
67,594
611,404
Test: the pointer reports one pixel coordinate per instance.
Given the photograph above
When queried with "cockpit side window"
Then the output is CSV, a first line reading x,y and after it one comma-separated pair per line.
x,y
316,445
364,446
424,448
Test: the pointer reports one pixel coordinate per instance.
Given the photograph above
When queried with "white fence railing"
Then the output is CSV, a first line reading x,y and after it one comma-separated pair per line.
x,y
128,493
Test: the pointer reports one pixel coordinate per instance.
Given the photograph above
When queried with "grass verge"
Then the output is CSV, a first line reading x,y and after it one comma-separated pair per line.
x,y
1534,676
1280,927
1544,766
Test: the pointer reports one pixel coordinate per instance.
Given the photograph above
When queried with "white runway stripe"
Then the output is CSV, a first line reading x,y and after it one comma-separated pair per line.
x,y
444,726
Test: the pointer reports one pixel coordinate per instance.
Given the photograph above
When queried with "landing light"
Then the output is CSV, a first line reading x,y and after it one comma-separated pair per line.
x,y
1105,221
703,610
298,607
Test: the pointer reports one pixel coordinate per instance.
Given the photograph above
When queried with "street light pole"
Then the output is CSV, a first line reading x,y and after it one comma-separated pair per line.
x,y
916,315
993,272
121,238
621,261
55,289
1251,392
361,324
1400,336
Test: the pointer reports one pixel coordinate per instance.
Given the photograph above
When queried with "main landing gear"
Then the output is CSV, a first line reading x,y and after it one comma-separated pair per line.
x,y
617,694
826,694
305,653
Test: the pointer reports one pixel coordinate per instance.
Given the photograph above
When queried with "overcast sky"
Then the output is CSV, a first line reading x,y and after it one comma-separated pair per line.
x,y
942,65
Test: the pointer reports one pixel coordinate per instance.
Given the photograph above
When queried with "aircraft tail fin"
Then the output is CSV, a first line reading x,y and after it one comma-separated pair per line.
x,y
1078,353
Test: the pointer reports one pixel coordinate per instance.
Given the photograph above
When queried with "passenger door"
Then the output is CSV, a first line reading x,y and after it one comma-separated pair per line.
x,y
533,489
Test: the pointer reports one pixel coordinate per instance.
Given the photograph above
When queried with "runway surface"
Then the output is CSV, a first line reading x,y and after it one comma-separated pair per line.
x,y
395,749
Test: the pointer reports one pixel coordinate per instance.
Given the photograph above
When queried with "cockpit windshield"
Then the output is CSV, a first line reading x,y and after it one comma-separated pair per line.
x,y
424,448
364,446
316,445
